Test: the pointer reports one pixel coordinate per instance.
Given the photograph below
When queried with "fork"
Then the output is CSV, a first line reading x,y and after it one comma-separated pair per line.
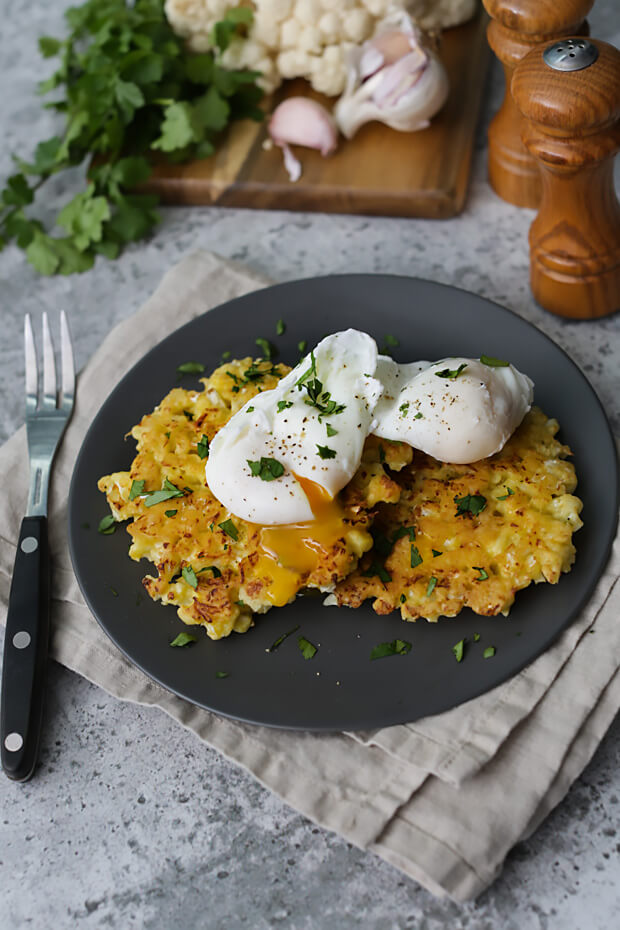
x,y
27,626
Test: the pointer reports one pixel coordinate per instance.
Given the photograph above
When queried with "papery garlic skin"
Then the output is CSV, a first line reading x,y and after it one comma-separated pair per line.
x,y
402,92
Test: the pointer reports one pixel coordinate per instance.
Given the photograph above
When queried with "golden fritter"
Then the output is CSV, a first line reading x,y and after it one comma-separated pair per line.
x,y
214,567
472,535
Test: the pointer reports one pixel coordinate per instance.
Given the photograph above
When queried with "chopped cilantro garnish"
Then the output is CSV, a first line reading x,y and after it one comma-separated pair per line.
x,y
211,568
183,639
451,373
381,454
489,652
114,591
249,409
493,362
226,355
280,639
266,469
284,405
508,493
190,576
459,650
416,558
311,370
476,637
280,328
308,650
330,430
107,525
483,574
266,348
402,598
171,513
404,531
302,345
222,674
378,568
203,447
188,414
325,452
470,504
190,368
137,487
404,409
321,399
391,340
431,585
419,416
168,491
436,552
398,647
230,529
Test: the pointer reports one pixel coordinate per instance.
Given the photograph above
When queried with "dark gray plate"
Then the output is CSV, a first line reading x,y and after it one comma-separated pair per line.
x,y
341,688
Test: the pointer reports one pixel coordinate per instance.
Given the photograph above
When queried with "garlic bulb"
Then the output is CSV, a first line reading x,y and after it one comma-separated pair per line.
x,y
393,79
301,121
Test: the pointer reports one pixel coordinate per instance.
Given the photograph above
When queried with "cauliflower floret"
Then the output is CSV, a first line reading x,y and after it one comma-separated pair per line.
x,y
304,38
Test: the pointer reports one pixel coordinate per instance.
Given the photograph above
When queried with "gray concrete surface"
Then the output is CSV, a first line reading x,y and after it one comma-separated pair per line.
x,y
131,822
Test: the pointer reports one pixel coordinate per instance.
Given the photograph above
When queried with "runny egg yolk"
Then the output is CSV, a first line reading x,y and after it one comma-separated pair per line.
x,y
289,553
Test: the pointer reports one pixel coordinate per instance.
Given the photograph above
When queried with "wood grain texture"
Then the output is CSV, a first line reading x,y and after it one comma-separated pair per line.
x,y
380,172
517,26
572,127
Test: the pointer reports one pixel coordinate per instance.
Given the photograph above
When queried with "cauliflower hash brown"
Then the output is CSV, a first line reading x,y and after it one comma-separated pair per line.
x,y
408,531
217,569
472,535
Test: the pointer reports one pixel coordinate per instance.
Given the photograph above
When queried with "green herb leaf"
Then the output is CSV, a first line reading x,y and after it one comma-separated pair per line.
x,y
402,598
308,650
211,568
284,405
137,487
436,552
404,531
222,674
311,370
280,328
202,447
493,362
230,529
431,585
190,576
330,430
398,647
266,469
226,355
404,409
419,416
325,452
190,368
168,492
171,513
280,639
107,525
451,374
476,637
391,340
489,652
183,639
483,575
416,558
266,347
302,345
508,494
470,504
459,650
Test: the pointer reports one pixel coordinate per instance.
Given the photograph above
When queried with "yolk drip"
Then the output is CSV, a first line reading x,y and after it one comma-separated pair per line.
x,y
293,550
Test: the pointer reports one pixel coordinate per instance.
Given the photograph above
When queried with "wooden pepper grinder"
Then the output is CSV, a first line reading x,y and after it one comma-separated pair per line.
x,y
569,96
516,27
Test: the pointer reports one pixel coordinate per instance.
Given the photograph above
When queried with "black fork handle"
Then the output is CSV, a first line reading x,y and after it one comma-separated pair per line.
x,y
25,651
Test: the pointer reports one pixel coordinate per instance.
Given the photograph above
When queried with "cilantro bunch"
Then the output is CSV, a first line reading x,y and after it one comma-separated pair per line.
x,y
125,88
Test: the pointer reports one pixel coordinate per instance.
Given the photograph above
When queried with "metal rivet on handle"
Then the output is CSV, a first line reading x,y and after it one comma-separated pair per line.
x,y
13,742
570,54
21,639
29,544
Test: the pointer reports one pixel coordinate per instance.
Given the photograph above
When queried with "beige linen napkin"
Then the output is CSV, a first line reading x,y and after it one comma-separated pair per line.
x,y
429,797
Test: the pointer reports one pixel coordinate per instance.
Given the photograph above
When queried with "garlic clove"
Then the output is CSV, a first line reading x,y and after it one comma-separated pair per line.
x,y
385,49
301,121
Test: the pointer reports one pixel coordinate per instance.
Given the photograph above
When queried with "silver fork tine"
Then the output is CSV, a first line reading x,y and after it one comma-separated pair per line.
x,y
31,366
49,366
66,363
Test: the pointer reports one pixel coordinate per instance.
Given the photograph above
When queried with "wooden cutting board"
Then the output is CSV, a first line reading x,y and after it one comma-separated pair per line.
x,y
380,172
